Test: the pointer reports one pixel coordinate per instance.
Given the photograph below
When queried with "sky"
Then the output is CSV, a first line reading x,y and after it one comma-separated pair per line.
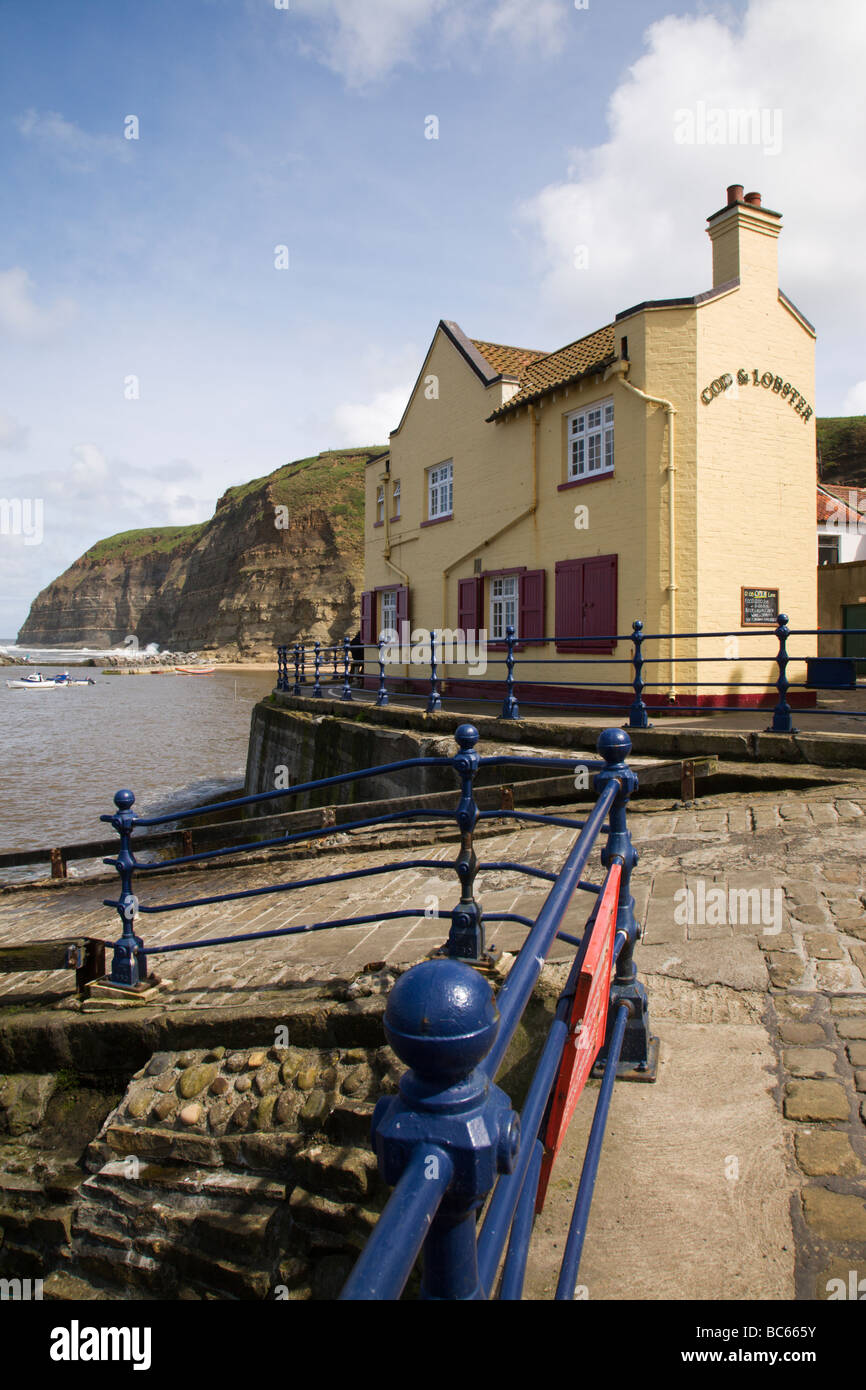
x,y
230,227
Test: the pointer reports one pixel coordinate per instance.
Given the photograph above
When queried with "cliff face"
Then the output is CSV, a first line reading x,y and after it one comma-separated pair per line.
x,y
281,557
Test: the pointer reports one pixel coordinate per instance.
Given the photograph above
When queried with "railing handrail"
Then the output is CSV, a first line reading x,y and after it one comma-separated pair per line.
x,y
447,1102
466,937
597,653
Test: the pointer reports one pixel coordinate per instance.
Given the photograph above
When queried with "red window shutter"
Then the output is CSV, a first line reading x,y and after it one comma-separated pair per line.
x,y
368,608
402,606
569,599
599,597
469,603
530,622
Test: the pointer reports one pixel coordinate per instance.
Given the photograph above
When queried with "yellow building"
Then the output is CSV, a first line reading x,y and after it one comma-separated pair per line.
x,y
661,468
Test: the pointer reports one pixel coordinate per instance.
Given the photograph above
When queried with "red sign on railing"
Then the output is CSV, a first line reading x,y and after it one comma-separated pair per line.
x,y
587,1024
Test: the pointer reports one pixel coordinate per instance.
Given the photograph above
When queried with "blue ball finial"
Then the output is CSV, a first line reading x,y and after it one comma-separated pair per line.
x,y
441,1019
123,800
467,737
637,625
614,745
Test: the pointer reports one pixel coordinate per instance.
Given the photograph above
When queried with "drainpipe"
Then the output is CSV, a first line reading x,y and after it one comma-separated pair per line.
x,y
528,511
672,569
385,478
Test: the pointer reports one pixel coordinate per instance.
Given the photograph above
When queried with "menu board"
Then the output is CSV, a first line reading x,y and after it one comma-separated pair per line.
x,y
760,607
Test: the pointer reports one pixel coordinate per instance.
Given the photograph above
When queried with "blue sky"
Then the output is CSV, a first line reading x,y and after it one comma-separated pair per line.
x,y
304,126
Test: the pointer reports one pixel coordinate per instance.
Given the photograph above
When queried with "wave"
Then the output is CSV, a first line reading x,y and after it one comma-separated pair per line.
x,y
73,654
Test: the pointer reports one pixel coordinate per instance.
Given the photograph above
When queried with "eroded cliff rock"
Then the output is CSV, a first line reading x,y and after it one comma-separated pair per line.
x,y
281,557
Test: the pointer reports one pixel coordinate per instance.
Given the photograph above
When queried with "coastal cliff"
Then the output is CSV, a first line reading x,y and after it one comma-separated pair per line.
x,y
281,557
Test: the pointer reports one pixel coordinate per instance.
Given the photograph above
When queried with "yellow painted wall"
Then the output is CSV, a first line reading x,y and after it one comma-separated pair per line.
x,y
745,482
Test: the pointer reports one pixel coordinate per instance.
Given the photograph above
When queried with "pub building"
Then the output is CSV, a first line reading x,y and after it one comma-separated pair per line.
x,y
661,467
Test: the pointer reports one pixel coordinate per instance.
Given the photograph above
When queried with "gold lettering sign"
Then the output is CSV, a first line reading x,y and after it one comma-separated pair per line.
x,y
768,380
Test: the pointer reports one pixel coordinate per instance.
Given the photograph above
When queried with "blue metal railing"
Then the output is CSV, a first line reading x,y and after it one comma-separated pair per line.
x,y
633,695
450,1137
467,931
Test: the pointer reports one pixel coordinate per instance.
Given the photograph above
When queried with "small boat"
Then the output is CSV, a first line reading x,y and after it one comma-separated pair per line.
x,y
64,679
35,682
195,670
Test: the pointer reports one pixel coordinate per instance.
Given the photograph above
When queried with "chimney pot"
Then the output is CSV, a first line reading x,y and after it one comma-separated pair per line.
x,y
735,194
753,199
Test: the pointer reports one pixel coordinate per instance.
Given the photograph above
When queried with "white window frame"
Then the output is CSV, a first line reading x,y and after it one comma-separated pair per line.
x,y
590,434
504,605
380,502
396,496
387,611
440,490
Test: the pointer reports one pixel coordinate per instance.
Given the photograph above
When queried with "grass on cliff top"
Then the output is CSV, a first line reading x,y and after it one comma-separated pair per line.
x,y
127,545
332,481
312,481
842,441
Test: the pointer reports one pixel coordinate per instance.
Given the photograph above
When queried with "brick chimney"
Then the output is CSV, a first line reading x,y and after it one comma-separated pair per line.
x,y
744,235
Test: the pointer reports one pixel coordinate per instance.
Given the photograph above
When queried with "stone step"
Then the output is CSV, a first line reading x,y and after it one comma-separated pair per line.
x,y
337,1172
62,1286
42,1226
349,1122
314,1213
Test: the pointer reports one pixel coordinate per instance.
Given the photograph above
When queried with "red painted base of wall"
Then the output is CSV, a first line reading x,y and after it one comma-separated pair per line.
x,y
579,697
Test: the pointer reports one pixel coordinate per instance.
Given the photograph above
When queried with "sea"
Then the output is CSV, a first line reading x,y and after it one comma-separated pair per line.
x,y
176,741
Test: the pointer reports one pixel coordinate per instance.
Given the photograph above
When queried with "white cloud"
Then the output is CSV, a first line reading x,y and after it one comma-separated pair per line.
x,y
71,146
363,40
13,435
21,316
90,469
638,202
855,401
526,21
370,422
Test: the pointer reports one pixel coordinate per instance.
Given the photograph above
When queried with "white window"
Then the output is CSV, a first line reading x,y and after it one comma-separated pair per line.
x,y
396,498
440,493
389,611
590,441
380,503
503,606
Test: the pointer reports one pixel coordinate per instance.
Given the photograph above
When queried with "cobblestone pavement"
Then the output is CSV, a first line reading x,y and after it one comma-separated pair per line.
x,y
755,898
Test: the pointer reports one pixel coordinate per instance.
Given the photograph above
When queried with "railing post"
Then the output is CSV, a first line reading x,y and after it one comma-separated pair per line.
x,y
282,669
347,684
466,936
336,672
302,679
639,1055
510,708
128,968
637,715
317,667
782,713
441,1021
382,695
296,688
434,702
